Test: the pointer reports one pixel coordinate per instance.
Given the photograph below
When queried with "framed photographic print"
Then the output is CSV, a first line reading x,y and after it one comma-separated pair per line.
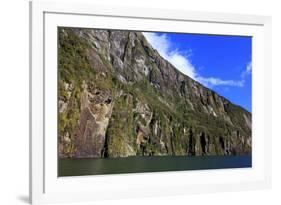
x,y
129,102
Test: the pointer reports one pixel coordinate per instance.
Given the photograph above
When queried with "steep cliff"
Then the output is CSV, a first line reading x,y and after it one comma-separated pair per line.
x,y
118,97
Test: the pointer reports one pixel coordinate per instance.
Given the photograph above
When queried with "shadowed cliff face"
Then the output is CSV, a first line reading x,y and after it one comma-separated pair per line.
x,y
118,97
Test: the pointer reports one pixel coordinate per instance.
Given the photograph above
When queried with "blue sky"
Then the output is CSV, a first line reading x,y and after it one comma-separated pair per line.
x,y
222,63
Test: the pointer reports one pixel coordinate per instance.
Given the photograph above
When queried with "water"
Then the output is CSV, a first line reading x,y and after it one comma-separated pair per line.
x,y
79,167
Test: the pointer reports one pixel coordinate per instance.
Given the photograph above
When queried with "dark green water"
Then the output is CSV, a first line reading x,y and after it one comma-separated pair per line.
x,y
78,167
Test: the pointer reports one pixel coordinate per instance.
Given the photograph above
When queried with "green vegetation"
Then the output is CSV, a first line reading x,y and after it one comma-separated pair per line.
x,y
145,120
74,68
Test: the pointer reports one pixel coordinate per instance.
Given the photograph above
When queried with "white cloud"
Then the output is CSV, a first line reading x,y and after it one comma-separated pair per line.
x,y
182,62
162,44
209,82
248,70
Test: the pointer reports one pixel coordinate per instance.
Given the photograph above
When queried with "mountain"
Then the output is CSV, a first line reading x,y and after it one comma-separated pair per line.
x,y
118,97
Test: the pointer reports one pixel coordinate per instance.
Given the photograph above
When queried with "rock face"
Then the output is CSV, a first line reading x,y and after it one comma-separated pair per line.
x,y
96,109
118,97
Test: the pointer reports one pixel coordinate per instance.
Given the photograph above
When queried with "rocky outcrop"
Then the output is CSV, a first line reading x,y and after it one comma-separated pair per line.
x,y
96,109
118,97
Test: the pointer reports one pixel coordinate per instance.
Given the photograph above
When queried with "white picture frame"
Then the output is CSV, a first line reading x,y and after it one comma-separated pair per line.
x,y
46,187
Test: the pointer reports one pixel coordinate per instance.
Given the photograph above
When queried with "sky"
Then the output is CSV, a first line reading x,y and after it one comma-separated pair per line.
x,y
221,63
